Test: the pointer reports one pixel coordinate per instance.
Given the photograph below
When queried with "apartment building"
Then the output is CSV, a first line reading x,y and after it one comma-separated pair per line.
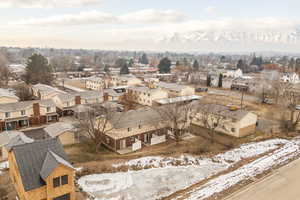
x,y
146,96
42,91
27,113
41,170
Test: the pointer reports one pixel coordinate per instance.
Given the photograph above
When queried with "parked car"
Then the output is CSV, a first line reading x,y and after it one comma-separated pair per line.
x,y
268,101
201,89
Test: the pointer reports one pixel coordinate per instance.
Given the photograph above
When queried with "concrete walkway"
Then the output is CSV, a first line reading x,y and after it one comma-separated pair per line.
x,y
284,184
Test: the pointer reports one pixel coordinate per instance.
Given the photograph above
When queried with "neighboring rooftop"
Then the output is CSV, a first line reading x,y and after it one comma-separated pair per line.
x,y
17,106
8,93
170,86
58,128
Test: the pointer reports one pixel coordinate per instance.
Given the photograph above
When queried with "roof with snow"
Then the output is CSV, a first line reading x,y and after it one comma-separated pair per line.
x,y
58,128
178,99
8,93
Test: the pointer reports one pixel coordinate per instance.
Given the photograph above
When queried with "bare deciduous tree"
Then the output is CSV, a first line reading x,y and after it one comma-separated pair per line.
x,y
176,116
96,123
5,73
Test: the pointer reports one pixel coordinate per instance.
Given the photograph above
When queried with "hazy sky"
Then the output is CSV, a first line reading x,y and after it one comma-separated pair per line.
x,y
133,24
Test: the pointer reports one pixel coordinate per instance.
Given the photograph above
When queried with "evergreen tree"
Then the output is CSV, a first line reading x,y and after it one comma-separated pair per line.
x,y
220,84
164,65
297,65
38,70
208,81
185,62
196,65
106,69
144,59
130,63
223,59
292,64
177,63
124,69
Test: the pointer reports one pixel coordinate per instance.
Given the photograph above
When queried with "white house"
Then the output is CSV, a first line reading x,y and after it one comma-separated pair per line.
x,y
95,83
234,73
175,89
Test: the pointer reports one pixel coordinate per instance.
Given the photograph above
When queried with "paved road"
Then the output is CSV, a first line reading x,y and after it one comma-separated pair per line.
x,y
284,184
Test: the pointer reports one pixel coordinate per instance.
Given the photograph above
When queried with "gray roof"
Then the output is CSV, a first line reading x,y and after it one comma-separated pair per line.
x,y
66,97
133,118
171,86
46,89
144,89
17,106
30,159
58,128
51,162
90,94
112,92
18,140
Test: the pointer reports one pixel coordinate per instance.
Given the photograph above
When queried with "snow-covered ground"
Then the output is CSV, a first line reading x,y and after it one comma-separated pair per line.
x,y
3,166
288,151
168,175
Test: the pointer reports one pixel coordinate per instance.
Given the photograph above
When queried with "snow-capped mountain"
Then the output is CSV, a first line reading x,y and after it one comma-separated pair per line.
x,y
238,40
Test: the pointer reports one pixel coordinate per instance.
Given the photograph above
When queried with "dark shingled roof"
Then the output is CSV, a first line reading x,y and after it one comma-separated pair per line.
x,y
30,159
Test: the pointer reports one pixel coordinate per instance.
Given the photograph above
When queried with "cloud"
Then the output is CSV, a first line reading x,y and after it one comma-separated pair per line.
x,y
148,16
47,3
210,9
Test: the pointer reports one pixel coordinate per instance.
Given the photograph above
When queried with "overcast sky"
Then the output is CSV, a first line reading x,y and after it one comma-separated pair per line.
x,y
133,24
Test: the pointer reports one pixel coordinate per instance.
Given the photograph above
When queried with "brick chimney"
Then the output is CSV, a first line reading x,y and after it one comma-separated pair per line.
x,y
77,100
36,109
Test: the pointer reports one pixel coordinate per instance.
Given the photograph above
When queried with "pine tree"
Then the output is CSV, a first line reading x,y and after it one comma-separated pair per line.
x,y
106,69
208,81
196,65
220,84
164,65
124,69
144,60
38,70
185,62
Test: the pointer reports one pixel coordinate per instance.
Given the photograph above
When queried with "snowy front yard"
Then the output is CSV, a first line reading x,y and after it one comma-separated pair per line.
x,y
168,175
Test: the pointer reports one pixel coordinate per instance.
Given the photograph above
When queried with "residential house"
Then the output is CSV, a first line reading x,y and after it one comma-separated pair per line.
x,y
42,91
112,94
125,80
63,131
130,131
146,96
233,73
65,103
95,83
7,96
27,113
175,89
41,170
89,97
227,119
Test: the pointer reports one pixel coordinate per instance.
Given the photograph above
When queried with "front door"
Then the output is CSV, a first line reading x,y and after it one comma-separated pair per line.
x,y
123,144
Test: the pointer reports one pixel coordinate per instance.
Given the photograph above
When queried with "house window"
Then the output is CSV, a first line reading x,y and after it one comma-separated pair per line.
x,y
59,181
48,109
129,129
232,129
63,197
23,112
56,182
140,126
7,114
64,180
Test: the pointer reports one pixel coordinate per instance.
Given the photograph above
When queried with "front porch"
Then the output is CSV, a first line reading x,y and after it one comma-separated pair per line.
x,y
15,124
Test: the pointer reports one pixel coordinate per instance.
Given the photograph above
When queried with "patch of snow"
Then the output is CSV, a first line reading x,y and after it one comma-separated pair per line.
x,y
168,175
288,151
3,166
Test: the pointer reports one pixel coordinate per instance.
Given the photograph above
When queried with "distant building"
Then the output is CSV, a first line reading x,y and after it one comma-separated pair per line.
x,y
27,113
125,80
42,91
146,96
95,83
41,170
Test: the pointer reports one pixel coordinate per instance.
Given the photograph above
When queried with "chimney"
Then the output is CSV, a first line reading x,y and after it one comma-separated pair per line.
x,y
36,109
77,100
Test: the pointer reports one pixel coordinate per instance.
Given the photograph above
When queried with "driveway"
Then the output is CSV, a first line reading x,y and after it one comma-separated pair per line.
x,y
282,185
